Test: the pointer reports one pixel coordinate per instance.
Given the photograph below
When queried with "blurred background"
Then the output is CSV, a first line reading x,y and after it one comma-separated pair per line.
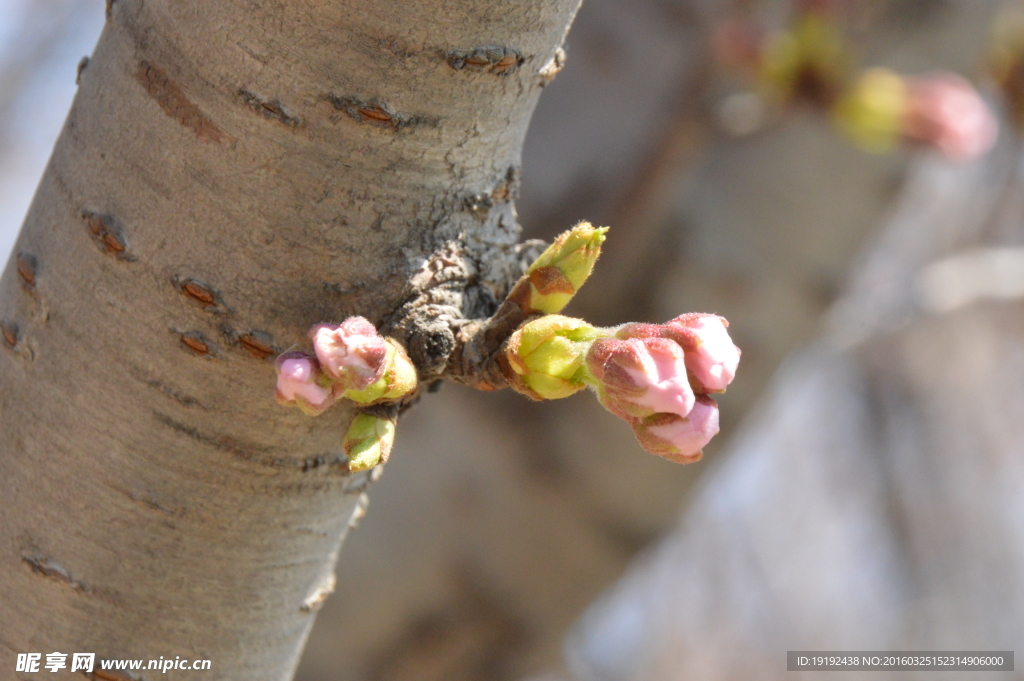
x,y
867,488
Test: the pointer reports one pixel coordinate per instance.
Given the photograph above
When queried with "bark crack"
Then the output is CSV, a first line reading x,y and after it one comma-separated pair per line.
x,y
107,234
499,60
378,112
51,569
269,108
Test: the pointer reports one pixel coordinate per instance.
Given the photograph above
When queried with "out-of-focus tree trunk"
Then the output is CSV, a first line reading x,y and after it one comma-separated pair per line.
x,y
229,174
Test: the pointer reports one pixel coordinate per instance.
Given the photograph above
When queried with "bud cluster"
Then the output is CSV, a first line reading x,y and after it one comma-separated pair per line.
x,y
811,62
656,377
349,361
806,62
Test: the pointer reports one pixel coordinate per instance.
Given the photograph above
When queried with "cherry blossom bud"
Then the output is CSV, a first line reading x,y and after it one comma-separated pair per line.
x,y
679,438
301,383
711,356
639,377
368,441
640,330
555,277
398,378
352,353
543,359
945,111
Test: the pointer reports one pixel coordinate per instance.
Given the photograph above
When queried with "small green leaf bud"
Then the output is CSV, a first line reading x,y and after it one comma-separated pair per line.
x,y
545,357
559,272
368,441
401,374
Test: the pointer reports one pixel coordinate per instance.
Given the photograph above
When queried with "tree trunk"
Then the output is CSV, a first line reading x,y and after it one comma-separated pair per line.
x,y
231,173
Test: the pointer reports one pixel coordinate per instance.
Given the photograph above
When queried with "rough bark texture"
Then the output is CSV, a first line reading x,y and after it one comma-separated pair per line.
x,y
231,173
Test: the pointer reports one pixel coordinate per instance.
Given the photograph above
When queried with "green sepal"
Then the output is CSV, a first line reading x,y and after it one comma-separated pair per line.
x,y
546,356
399,379
368,441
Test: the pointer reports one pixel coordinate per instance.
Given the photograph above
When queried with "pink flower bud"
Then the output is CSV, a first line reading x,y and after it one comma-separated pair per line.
x,y
301,383
711,356
353,353
945,111
639,330
638,377
679,438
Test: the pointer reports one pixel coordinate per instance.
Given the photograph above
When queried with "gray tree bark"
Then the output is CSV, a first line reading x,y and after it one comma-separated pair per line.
x,y
231,173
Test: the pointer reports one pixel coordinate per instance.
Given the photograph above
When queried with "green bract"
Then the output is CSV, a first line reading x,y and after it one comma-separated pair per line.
x,y
398,380
368,441
546,356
